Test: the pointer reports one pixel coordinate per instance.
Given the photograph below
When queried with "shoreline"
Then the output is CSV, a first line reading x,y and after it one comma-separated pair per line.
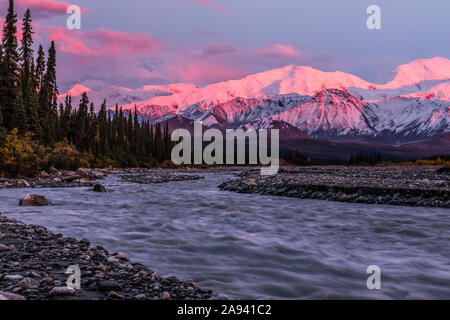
x,y
403,186
34,261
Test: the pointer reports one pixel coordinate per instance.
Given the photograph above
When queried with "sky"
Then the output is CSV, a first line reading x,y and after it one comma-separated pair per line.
x,y
137,42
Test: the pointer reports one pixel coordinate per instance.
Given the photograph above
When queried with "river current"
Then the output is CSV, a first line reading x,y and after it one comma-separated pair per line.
x,y
253,246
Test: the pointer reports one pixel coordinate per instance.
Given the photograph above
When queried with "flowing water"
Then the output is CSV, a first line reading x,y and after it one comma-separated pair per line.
x,y
253,246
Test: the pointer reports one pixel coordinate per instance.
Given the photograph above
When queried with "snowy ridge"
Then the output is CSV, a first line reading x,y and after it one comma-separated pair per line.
x,y
416,103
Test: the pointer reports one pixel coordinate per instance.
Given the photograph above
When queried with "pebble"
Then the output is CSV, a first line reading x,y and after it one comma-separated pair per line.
x,y
28,283
14,277
11,296
122,256
62,291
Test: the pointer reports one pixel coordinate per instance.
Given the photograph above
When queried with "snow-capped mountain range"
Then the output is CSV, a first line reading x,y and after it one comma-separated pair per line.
x,y
334,105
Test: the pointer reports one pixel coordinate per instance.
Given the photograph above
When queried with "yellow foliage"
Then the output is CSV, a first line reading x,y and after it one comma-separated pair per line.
x,y
20,155
66,156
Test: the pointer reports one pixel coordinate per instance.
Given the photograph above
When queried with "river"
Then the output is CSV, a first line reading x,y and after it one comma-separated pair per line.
x,y
252,246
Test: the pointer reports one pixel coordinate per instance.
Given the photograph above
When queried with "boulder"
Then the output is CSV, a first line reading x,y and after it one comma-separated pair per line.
x,y
44,174
54,171
99,188
84,173
23,183
57,180
10,296
28,283
35,200
62,291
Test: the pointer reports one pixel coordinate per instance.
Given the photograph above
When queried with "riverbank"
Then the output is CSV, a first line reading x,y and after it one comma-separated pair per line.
x,y
394,185
33,262
84,177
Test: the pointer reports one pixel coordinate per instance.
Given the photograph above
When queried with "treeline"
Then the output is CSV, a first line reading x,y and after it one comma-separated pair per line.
x,y
295,158
36,132
113,138
364,158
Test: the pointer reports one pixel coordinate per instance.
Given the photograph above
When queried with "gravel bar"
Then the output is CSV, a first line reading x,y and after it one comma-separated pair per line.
x,y
34,266
407,186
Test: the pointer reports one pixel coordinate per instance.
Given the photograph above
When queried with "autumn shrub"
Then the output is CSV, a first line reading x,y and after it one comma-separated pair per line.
x,y
21,155
66,156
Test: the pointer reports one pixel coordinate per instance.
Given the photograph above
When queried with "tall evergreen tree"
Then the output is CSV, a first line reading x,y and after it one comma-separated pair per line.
x,y
27,83
48,95
9,69
19,119
39,69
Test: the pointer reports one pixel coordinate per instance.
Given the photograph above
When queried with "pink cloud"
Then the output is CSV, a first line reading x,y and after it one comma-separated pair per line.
x,y
102,55
44,8
201,71
211,4
100,42
280,51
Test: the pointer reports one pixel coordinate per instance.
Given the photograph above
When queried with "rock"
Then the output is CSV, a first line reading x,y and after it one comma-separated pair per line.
x,y
23,183
34,200
122,256
115,295
28,283
10,296
99,188
62,291
165,295
14,277
140,297
47,281
109,285
4,248
44,174
83,172
55,171
57,180
102,268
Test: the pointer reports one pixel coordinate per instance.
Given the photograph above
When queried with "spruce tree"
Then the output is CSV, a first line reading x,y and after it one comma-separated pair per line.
x,y
39,69
48,95
9,69
26,74
19,120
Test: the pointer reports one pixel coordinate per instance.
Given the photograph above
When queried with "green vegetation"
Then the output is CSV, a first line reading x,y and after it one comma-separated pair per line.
x,y
36,132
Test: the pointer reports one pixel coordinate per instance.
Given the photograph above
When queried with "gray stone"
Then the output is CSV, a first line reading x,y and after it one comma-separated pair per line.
x,y
99,188
62,291
34,200
28,283
10,296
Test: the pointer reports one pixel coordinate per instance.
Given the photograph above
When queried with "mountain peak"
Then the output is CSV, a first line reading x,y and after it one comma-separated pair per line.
x,y
437,68
77,90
